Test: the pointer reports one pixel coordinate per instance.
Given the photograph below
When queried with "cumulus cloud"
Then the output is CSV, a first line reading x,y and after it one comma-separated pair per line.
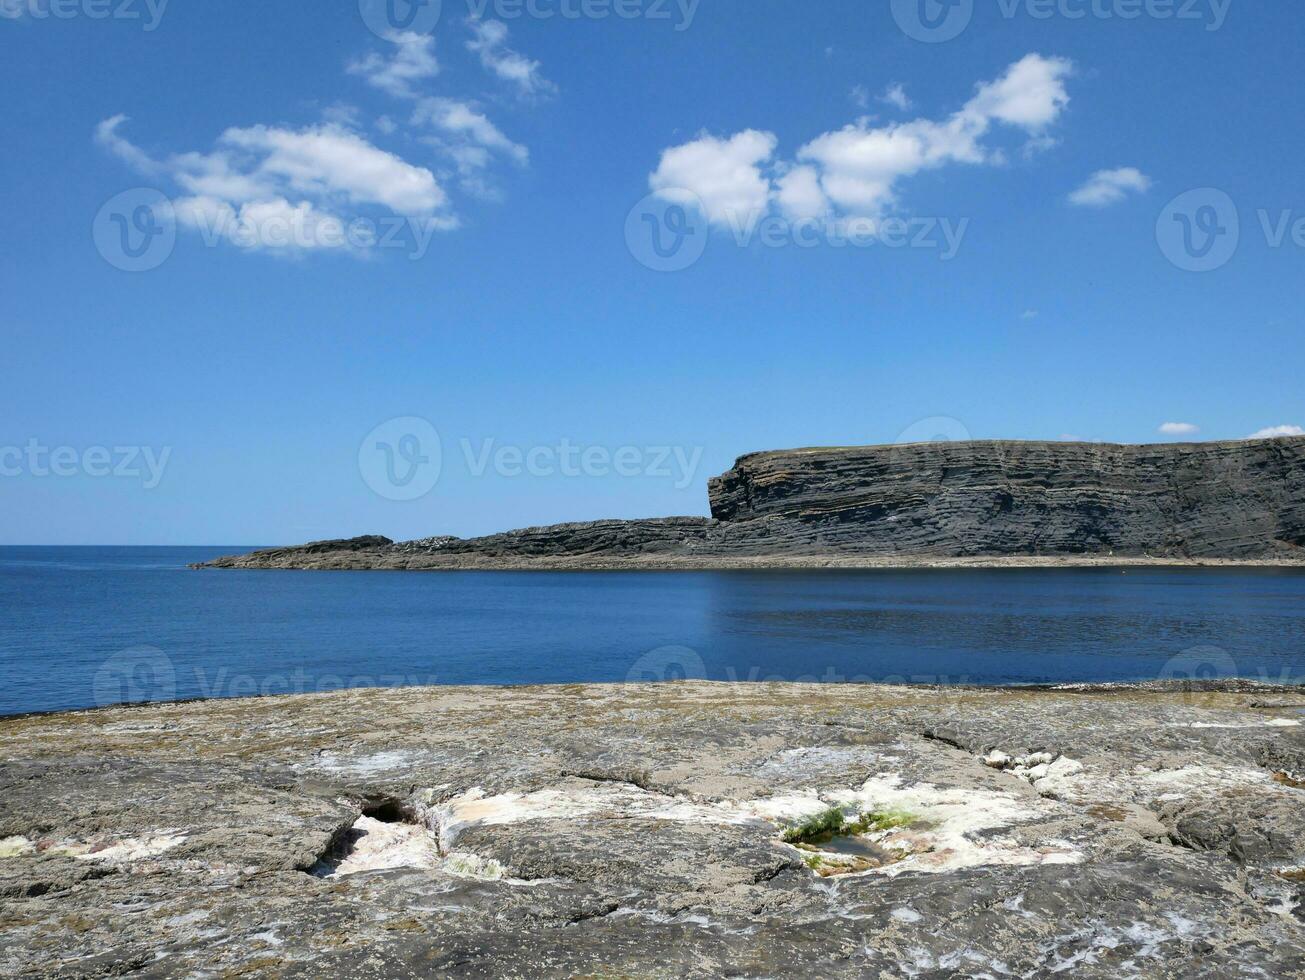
x,y
327,161
726,175
488,40
277,188
1278,432
855,171
411,61
1179,429
1106,187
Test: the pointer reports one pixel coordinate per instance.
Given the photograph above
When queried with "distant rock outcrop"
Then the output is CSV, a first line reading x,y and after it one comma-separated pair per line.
x,y
916,504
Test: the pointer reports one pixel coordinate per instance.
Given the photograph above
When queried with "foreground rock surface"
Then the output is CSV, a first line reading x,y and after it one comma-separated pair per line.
x,y
637,831
920,504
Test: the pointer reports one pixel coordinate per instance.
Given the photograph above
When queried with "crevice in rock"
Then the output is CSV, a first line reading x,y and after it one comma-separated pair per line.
x,y
932,736
590,915
639,780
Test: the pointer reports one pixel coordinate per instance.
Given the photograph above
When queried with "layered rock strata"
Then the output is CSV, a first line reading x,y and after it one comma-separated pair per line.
x,y
979,502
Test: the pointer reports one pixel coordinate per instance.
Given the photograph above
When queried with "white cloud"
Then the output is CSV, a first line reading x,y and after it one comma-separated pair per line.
x,y
895,95
412,60
106,134
855,171
329,161
1031,95
466,123
1278,432
1106,187
799,194
1029,315
467,137
275,188
342,114
860,96
725,174
1179,429
488,42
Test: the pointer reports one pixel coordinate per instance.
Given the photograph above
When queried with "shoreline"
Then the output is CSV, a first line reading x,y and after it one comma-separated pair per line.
x,y
355,562
1221,686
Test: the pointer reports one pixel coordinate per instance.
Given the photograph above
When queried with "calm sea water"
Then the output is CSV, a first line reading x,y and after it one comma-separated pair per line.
x,y
86,626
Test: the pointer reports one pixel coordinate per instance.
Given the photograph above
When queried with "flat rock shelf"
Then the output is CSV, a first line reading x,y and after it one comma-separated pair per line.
x,y
678,830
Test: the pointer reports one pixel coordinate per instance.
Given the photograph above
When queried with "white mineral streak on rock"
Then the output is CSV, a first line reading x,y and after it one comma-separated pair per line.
x,y
130,849
135,849
949,822
386,846
617,800
16,847
949,819
1269,723
383,846
364,765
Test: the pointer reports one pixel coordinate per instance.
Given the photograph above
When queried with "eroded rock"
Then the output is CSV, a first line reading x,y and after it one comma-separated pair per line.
x,y
639,831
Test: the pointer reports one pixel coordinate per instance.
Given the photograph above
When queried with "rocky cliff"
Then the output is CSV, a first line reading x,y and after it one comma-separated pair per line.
x,y
917,504
1224,499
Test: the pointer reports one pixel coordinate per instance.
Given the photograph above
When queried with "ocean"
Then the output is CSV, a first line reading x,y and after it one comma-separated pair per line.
x,y
81,627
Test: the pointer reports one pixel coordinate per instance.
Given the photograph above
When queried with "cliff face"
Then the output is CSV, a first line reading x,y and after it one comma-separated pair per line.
x,y
916,504
1203,500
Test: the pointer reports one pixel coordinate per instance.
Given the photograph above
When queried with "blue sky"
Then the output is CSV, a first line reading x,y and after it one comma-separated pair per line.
x,y
246,385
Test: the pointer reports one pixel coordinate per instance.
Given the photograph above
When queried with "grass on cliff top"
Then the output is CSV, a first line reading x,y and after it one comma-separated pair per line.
x,y
834,822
